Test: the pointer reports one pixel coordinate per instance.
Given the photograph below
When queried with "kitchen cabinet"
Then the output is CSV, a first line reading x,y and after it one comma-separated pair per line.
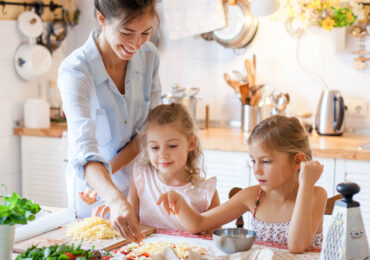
x,y
44,160
359,172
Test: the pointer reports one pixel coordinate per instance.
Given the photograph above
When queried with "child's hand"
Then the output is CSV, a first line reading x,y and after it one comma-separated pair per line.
x,y
171,201
100,210
310,172
88,196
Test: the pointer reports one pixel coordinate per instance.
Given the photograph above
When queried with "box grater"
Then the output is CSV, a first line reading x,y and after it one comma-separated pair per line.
x,y
346,236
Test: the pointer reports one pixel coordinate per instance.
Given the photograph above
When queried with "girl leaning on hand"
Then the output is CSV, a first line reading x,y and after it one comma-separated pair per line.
x,y
108,86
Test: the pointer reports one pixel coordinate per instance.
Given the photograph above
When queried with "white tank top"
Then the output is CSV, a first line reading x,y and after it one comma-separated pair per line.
x,y
149,187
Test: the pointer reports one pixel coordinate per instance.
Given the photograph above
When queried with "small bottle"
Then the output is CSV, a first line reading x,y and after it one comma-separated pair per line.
x,y
54,101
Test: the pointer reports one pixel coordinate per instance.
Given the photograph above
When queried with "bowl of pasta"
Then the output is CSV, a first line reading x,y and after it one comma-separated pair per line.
x,y
232,240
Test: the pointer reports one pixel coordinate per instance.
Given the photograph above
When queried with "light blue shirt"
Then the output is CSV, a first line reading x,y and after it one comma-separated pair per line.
x,y
100,119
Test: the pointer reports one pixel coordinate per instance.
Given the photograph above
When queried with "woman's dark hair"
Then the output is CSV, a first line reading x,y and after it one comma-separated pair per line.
x,y
127,10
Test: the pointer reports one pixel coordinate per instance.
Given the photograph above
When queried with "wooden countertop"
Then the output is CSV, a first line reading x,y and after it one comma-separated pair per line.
x,y
341,147
55,130
233,139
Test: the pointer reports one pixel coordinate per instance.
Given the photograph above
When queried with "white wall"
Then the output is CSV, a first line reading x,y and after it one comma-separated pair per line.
x,y
192,61
196,62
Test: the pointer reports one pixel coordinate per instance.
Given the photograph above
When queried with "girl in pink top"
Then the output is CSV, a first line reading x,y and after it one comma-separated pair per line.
x,y
170,159
286,206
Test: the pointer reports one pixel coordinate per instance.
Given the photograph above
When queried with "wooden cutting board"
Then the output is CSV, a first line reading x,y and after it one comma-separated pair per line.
x,y
58,237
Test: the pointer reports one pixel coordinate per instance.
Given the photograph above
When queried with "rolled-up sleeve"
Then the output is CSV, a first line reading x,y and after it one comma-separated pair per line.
x,y
75,89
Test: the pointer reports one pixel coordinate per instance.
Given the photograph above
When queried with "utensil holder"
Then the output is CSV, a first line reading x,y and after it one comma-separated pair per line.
x,y
249,118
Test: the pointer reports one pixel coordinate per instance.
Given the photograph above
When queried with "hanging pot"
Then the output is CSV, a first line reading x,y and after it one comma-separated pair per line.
x,y
31,60
241,26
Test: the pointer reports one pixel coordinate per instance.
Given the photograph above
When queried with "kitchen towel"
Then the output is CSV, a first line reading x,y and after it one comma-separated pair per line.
x,y
44,224
186,18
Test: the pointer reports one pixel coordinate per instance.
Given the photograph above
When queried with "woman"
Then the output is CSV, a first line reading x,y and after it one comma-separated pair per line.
x,y
108,86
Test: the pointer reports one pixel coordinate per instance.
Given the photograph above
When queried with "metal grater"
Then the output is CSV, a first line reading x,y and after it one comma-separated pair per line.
x,y
346,236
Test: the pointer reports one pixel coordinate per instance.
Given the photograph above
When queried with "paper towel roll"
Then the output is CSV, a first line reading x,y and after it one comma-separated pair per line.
x,y
45,224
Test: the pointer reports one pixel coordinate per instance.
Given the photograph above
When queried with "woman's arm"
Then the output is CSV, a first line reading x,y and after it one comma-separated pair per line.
x,y
308,210
122,214
194,222
125,156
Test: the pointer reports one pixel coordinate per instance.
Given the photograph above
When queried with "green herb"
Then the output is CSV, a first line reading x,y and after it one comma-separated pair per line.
x,y
62,252
16,210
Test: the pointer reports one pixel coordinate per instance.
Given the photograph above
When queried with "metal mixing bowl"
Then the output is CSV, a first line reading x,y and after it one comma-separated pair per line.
x,y
232,240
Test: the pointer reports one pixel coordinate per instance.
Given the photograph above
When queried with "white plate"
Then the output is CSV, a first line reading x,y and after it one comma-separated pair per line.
x,y
30,24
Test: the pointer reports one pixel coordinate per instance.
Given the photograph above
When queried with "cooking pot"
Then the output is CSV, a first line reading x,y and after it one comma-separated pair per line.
x,y
185,96
241,26
31,60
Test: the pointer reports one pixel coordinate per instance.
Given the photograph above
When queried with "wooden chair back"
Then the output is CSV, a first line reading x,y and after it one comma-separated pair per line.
x,y
328,209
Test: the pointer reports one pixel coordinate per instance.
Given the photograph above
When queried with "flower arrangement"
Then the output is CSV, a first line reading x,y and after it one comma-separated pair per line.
x,y
327,14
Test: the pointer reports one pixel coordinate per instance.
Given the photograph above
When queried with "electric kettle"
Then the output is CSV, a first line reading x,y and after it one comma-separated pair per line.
x,y
346,235
330,113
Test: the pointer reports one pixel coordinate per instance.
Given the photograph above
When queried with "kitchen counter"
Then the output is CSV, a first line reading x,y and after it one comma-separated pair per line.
x,y
341,147
233,139
55,130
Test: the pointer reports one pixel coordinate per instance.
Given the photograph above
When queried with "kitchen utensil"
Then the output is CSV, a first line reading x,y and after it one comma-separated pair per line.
x,y
232,240
249,117
241,26
240,77
330,113
31,60
185,96
233,83
58,237
244,93
346,236
45,224
249,69
282,102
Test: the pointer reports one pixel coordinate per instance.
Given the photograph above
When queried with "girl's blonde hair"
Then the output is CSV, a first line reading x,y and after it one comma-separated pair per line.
x,y
285,134
168,114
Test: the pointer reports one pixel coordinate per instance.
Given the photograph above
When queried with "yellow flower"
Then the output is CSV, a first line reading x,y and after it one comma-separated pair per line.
x,y
325,5
315,4
350,17
328,24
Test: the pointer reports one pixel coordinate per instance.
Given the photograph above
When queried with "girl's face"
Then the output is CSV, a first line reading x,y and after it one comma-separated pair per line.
x,y
128,38
168,148
272,168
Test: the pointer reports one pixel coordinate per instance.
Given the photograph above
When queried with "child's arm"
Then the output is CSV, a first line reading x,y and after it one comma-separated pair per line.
x,y
194,222
308,210
133,198
214,203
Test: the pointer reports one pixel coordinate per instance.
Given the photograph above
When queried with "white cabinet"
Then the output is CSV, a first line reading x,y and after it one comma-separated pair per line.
x,y
230,168
327,178
43,170
359,172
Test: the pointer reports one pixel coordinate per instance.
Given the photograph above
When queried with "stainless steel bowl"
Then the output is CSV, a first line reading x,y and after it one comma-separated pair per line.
x,y
232,240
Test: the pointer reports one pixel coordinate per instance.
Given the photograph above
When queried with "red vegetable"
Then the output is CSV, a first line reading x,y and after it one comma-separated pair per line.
x,y
70,256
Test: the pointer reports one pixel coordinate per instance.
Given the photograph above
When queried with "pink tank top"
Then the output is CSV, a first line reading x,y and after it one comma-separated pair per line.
x,y
276,232
149,187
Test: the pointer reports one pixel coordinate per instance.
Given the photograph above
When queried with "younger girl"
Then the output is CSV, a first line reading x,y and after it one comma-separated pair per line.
x,y
170,159
286,206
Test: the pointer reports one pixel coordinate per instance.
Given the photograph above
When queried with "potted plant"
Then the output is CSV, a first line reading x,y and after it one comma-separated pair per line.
x,y
13,210
329,15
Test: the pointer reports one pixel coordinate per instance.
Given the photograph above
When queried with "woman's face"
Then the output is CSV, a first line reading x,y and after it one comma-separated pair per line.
x,y
125,40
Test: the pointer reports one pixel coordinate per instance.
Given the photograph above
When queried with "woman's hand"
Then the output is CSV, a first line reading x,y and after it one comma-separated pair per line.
x,y
171,201
310,172
123,219
100,210
89,196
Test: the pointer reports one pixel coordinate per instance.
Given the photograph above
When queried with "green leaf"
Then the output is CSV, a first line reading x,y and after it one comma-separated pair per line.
x,y
47,252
